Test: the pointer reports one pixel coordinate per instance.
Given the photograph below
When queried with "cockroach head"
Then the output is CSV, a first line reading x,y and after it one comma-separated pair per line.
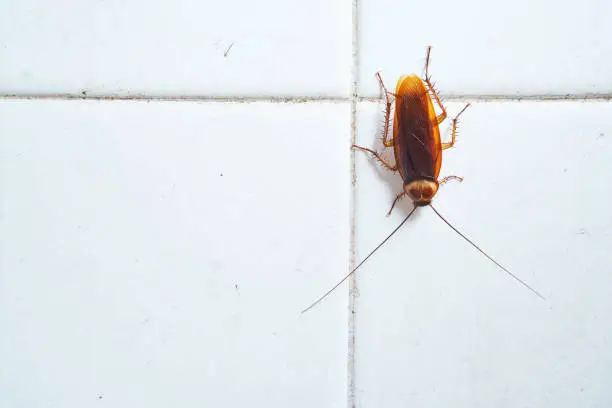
x,y
421,192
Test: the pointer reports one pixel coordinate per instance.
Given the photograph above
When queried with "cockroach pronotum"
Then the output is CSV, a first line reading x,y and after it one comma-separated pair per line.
x,y
418,153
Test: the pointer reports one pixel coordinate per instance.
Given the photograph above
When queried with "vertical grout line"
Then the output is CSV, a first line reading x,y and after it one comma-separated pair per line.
x,y
352,260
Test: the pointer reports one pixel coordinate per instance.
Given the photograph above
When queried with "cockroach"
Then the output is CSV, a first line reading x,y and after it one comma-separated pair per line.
x,y
418,153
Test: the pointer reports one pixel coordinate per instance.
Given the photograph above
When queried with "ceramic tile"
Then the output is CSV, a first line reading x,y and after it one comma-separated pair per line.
x,y
181,48
438,324
155,253
519,47
160,252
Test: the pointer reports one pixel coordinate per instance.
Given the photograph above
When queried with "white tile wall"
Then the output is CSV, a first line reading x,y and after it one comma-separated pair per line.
x,y
161,252
124,47
157,253
483,47
440,325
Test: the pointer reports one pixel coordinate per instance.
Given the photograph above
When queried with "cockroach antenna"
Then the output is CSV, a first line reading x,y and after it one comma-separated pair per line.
x,y
522,282
316,302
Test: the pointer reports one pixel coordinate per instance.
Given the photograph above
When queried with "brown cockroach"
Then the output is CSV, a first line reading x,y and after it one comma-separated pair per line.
x,y
418,152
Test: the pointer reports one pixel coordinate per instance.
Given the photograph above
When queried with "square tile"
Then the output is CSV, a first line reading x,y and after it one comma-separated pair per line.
x,y
511,48
438,324
186,47
162,252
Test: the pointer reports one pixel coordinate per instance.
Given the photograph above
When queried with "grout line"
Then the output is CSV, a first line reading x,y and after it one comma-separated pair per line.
x,y
178,98
601,97
597,97
355,99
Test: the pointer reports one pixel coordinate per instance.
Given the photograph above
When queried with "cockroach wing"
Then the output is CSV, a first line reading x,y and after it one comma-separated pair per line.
x,y
415,131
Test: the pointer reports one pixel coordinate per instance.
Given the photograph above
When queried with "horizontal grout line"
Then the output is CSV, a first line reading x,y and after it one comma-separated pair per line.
x,y
514,98
177,98
301,99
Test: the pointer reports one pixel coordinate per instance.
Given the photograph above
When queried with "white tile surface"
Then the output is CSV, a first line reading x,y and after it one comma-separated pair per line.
x,y
155,254
514,47
437,324
159,253
281,48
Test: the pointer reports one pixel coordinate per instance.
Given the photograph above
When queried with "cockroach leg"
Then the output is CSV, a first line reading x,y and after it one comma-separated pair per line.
x,y
440,118
447,178
384,88
399,196
387,143
378,156
450,144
